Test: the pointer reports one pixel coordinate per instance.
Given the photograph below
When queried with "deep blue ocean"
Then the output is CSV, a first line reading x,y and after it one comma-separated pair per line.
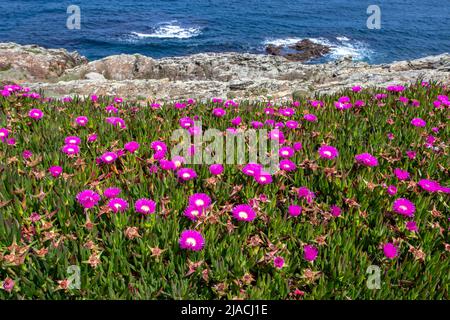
x,y
162,28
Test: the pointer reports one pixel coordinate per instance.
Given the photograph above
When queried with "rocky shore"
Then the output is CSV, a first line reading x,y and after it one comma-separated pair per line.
x,y
58,72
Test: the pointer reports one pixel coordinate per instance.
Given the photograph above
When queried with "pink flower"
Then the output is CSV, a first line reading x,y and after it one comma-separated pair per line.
x,y
27,154
356,89
297,146
145,206
55,171
392,190
92,137
287,165
109,157
111,192
411,154
131,146
304,192
216,169
191,240
404,207
244,212
94,98
401,174
35,114
200,200
328,152
88,198
418,122
310,253
295,210
8,285
263,178
186,174
278,262
74,140
366,159
3,134
390,251
70,149
429,185
219,112
286,152
411,226
335,211
193,212
310,117
252,169
118,205
82,121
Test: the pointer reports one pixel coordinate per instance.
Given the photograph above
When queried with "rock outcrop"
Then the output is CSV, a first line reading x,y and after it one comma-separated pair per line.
x,y
302,51
59,73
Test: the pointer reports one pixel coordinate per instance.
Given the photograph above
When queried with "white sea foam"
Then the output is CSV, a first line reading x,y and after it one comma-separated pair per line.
x,y
170,31
343,47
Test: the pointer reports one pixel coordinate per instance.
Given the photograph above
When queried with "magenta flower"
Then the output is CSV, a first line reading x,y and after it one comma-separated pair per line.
x,y
418,122
72,140
35,114
55,171
392,190
27,154
310,117
411,154
263,178
92,137
310,253
3,134
159,146
88,199
109,157
252,169
111,109
193,212
335,211
278,262
218,112
145,206
356,88
186,174
167,165
401,174
94,98
286,152
82,120
412,226
71,149
131,146
328,152
8,285
111,192
292,124
200,200
366,159
304,192
295,210
191,240
216,169
404,207
297,146
118,205
390,251
244,212
287,165
429,185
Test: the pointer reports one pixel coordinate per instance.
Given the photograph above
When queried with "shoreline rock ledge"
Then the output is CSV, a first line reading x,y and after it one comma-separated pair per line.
x,y
58,73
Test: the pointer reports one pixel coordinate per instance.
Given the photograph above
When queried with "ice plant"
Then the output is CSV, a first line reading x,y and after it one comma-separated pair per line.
x,y
310,253
118,205
390,250
8,285
88,199
109,157
328,152
186,174
216,169
366,159
193,212
404,207
429,185
35,114
244,212
335,211
278,262
71,149
191,240
72,140
295,210
131,146
200,200
145,206
111,192
82,120
401,174
418,122
55,171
